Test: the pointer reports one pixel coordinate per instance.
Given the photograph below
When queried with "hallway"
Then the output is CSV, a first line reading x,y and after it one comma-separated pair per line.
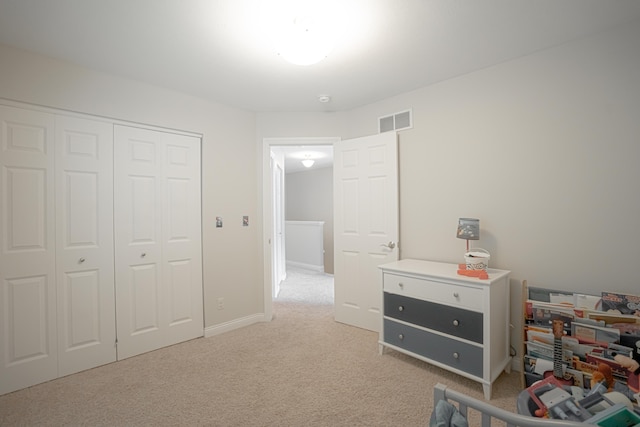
x,y
306,286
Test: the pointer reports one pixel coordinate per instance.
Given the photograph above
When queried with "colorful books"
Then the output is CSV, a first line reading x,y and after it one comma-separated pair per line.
x,y
596,328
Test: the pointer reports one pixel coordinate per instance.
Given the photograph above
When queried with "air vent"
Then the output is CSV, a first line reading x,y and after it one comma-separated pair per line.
x,y
397,121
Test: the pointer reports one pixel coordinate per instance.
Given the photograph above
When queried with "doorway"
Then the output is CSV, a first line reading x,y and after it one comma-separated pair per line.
x,y
277,154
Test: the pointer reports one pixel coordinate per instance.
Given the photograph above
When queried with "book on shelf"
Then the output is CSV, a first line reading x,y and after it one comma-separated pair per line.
x,y
588,333
621,303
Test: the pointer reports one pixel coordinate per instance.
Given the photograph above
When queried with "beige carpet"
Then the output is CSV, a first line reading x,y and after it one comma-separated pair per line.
x,y
301,369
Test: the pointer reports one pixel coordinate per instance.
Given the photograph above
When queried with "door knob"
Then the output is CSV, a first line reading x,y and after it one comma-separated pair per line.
x,y
390,245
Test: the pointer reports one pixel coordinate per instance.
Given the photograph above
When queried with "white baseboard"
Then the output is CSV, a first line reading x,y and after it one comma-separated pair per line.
x,y
233,325
311,267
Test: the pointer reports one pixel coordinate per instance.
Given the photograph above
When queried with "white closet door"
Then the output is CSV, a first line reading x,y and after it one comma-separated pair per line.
x,y
158,257
28,343
182,237
84,244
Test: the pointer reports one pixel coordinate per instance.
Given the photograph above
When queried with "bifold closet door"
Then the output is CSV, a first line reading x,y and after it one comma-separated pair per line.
x,y
157,239
28,341
84,244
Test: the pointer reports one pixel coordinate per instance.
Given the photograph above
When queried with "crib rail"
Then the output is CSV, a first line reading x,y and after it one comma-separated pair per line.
x,y
490,412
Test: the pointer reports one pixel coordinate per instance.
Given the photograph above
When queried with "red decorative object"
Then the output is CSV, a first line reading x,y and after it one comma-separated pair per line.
x,y
480,274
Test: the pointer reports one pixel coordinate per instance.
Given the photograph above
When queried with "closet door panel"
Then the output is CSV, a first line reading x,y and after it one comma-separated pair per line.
x,y
28,343
158,239
140,299
84,244
182,260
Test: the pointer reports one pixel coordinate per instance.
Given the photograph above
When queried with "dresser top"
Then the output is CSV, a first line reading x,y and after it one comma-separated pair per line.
x,y
438,269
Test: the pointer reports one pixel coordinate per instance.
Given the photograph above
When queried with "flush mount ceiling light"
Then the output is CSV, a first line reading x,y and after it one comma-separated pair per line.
x,y
305,41
305,32
308,161
307,156
302,31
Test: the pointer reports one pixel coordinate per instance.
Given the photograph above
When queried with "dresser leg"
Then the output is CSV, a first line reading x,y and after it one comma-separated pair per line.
x,y
380,349
487,391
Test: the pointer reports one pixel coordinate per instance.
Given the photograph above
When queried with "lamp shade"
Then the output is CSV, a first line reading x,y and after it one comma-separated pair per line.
x,y
468,228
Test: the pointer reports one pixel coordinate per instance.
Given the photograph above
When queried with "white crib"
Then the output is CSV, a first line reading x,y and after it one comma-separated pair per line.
x,y
488,412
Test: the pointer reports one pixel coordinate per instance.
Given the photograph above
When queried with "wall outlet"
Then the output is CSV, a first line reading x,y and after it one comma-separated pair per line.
x,y
220,303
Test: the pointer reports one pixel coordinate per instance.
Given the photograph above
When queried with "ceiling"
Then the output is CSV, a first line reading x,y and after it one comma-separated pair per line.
x,y
218,49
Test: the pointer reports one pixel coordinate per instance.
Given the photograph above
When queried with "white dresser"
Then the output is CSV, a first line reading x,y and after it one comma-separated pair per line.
x,y
456,322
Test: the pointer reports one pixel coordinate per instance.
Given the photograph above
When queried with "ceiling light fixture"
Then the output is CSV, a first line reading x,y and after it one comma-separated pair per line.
x,y
305,32
308,161
305,41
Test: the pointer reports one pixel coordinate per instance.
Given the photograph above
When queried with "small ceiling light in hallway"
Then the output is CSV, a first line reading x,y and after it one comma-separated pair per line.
x,y
308,161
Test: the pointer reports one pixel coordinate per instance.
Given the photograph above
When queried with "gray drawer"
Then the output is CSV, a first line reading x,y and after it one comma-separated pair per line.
x,y
442,318
459,355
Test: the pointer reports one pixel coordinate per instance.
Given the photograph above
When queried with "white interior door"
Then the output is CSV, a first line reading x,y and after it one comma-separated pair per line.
x,y
365,180
28,342
158,240
84,244
280,260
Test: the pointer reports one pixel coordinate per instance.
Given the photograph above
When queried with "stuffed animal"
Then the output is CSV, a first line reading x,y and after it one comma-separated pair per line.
x,y
636,357
627,362
632,364
604,374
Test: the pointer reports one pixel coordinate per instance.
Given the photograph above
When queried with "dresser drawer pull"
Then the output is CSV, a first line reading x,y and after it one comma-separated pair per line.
x,y
401,308
456,295
401,285
456,322
456,355
401,336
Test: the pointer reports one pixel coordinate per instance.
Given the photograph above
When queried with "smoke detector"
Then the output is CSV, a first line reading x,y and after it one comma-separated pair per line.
x,y
324,98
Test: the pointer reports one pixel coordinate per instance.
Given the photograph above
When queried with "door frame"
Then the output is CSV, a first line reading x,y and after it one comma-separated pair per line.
x,y
267,208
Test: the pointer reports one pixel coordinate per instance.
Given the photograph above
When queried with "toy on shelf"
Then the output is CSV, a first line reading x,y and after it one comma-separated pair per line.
x,y
631,363
558,371
603,375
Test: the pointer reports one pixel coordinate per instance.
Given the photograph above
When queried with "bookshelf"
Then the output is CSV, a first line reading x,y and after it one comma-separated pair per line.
x,y
591,337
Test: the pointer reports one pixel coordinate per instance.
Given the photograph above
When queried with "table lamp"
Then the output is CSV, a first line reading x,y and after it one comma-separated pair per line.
x,y
468,229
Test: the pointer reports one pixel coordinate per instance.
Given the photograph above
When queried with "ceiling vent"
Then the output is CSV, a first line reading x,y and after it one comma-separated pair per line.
x,y
397,121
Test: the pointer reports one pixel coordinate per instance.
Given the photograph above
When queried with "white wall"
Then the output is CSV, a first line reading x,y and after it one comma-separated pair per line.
x,y
543,149
550,141
309,197
229,163
304,242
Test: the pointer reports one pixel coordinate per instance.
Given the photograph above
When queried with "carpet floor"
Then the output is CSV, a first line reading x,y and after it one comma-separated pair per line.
x,y
301,369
